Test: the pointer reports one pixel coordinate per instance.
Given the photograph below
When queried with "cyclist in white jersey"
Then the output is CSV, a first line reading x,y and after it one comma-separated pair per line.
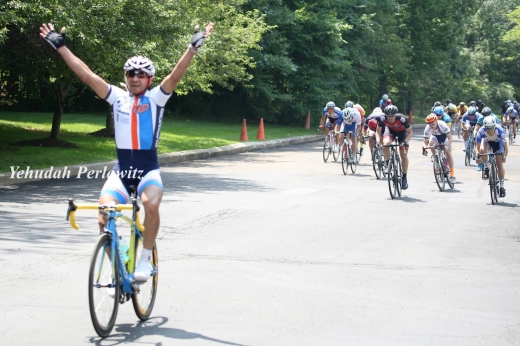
x,y
137,122
438,132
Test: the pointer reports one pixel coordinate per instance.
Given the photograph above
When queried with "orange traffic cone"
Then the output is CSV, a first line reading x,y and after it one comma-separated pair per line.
x,y
410,118
260,136
243,134
307,125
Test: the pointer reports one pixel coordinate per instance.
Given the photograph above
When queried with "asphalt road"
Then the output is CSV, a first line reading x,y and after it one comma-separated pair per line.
x,y
277,247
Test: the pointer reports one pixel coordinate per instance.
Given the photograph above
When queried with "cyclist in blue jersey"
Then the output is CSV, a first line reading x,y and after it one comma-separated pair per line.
x,y
350,122
441,114
331,120
511,116
493,137
385,101
138,113
469,120
485,113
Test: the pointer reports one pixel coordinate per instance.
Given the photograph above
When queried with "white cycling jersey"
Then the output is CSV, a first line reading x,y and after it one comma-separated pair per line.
x,y
442,129
137,125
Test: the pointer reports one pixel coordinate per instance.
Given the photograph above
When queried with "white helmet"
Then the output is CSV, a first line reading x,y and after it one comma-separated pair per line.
x,y
385,97
140,63
331,104
349,104
490,122
348,115
377,110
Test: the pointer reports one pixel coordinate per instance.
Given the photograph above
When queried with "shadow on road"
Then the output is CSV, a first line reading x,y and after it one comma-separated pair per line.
x,y
131,333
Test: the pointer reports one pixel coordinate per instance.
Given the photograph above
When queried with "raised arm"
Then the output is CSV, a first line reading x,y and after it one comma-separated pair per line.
x,y
57,41
170,81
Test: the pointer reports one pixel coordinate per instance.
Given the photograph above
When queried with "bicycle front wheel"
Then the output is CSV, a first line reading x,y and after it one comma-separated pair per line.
x,y
399,175
353,164
438,172
446,168
104,287
344,163
326,149
392,178
493,184
377,163
144,294
336,155
511,135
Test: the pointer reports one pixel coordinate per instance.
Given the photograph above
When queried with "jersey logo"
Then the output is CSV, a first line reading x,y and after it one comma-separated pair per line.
x,y
140,109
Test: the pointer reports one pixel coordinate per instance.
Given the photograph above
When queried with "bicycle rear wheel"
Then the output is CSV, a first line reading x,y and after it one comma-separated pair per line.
x,y
104,287
144,294
326,149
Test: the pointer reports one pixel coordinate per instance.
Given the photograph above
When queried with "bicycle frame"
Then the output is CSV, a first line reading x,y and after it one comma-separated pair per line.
x,y
440,159
395,172
113,213
471,147
494,181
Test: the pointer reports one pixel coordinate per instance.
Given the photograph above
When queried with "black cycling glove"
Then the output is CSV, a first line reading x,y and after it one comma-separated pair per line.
x,y
197,39
55,40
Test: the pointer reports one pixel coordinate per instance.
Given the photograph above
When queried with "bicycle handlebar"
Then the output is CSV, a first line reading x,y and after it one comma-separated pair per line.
x,y
71,211
490,154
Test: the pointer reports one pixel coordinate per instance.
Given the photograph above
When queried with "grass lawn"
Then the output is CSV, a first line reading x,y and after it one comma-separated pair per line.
x,y
176,135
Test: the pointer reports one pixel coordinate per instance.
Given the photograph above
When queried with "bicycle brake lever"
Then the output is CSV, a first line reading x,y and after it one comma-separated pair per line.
x,y
72,207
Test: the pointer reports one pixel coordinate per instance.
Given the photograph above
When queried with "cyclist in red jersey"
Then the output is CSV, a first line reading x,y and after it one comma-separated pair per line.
x,y
395,125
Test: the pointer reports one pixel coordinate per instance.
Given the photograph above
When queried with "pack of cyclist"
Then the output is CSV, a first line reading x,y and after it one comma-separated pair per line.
x,y
385,124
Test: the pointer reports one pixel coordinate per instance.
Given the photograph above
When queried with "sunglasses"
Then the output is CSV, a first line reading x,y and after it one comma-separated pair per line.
x,y
390,116
489,128
138,73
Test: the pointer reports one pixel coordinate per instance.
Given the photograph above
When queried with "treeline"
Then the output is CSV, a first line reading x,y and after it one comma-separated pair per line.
x,y
271,59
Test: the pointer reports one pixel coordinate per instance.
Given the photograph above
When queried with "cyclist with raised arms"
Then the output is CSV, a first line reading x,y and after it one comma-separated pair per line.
x,y
438,132
138,114
331,118
395,125
351,122
493,137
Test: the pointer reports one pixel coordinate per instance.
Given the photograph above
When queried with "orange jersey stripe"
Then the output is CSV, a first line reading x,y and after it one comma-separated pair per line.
x,y
135,130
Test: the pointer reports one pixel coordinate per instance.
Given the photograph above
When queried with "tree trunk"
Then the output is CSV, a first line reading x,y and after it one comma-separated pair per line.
x,y
58,113
109,123
382,86
410,103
